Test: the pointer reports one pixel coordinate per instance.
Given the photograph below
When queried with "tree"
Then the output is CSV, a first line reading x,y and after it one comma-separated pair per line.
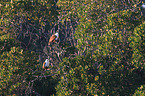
x,y
24,26
16,70
103,31
78,76
100,50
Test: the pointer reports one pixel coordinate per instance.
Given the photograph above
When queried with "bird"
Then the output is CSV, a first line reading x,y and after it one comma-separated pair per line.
x,y
143,9
53,38
45,64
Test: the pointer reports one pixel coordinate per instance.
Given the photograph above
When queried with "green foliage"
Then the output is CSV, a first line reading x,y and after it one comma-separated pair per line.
x,y
6,42
138,44
16,66
78,77
104,29
140,91
100,50
124,19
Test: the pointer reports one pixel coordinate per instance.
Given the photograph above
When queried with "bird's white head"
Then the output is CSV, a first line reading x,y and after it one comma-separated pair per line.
x,y
46,60
57,36
143,5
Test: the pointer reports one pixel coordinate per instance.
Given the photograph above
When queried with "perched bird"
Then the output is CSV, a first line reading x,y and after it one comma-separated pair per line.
x,y
45,64
53,38
143,9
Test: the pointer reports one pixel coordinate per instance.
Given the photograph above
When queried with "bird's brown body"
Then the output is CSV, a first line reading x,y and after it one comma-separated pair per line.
x,y
52,39
44,66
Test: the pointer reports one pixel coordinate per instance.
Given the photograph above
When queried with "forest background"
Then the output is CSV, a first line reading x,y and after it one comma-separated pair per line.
x,y
100,50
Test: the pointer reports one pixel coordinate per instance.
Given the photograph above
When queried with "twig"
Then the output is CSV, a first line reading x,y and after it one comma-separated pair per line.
x,y
44,76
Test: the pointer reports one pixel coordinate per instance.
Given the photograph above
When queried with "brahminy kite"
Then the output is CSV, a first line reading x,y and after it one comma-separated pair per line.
x,y
45,64
53,38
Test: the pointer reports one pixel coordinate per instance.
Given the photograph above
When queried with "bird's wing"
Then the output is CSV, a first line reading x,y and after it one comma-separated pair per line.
x,y
52,38
43,65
